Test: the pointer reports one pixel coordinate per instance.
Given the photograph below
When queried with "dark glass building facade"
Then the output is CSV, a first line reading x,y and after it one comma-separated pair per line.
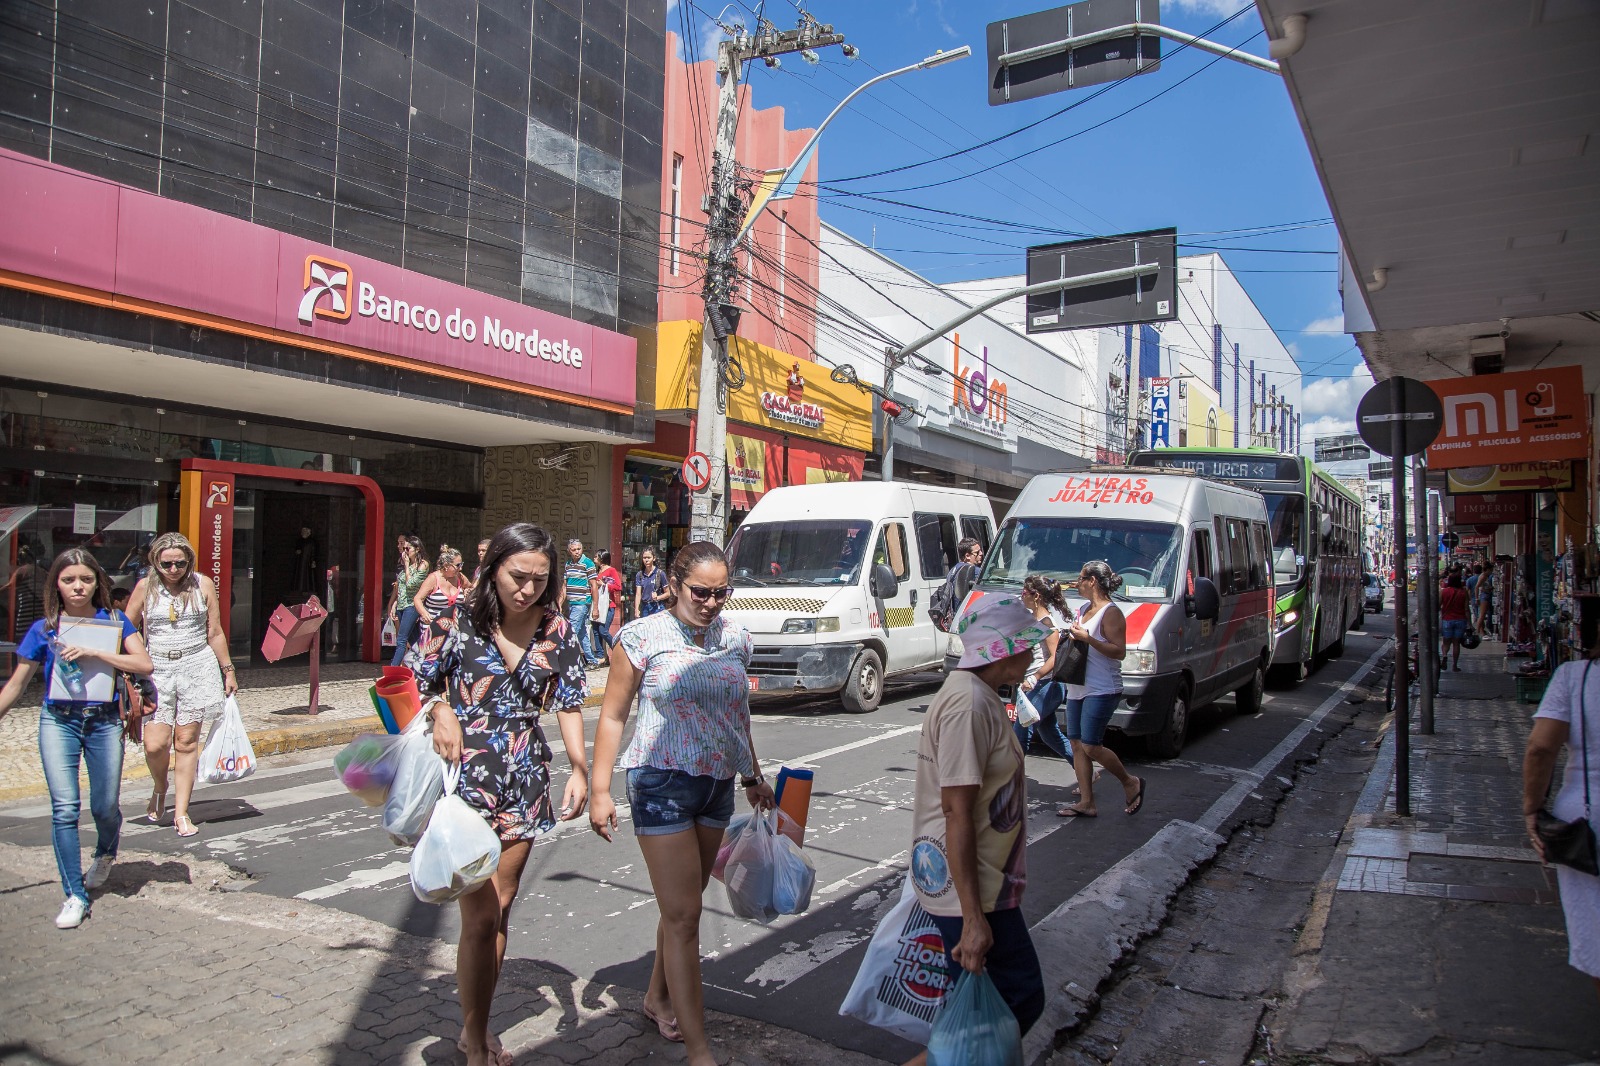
x,y
510,147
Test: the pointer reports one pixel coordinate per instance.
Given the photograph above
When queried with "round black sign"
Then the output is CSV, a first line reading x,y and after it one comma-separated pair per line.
x,y
1399,417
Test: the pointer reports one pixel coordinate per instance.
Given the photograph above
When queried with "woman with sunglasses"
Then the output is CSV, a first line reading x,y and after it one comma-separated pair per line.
x,y
408,578
688,666
177,611
1104,629
76,731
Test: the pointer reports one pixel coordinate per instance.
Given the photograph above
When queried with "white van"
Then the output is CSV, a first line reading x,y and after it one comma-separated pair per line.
x,y
1197,585
833,582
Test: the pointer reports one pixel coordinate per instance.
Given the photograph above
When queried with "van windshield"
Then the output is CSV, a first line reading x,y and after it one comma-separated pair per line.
x,y
1145,554
804,552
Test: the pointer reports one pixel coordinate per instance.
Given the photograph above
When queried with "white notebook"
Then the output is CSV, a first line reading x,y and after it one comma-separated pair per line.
x,y
99,679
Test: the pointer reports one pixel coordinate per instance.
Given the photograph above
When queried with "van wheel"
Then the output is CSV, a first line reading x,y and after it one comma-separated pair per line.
x,y
1168,743
1247,700
864,691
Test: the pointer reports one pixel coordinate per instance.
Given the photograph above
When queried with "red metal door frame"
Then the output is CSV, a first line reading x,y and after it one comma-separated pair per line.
x,y
372,496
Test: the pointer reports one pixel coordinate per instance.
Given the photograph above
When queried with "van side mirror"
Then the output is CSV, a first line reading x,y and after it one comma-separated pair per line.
x,y
882,583
1203,603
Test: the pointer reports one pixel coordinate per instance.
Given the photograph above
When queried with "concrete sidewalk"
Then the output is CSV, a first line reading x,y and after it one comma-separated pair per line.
x,y
1440,937
272,700
181,963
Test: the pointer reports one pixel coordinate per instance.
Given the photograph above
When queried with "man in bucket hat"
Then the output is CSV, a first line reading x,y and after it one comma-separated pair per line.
x,y
969,824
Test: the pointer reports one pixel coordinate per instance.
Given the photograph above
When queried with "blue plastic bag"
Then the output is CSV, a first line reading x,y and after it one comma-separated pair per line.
x,y
975,1027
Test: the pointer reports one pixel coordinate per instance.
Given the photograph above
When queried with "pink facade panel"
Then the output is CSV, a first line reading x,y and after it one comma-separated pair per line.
x,y
99,235
57,229
229,267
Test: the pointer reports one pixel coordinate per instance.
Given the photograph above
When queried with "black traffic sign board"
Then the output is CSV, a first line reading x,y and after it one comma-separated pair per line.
x,y
1399,417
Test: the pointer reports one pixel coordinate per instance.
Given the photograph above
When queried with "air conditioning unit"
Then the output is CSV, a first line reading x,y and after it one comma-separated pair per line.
x,y
1487,354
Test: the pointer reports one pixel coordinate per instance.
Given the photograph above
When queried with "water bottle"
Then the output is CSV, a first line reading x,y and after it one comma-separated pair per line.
x,y
71,672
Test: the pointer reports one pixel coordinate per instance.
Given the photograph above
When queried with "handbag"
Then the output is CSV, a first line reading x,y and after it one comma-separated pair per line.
x,y
1072,659
1572,843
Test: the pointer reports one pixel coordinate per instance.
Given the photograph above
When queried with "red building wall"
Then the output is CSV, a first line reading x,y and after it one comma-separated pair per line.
x,y
762,144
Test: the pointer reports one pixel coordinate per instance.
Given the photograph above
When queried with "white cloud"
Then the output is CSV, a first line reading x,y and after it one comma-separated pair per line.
x,y
1330,324
1335,400
1219,8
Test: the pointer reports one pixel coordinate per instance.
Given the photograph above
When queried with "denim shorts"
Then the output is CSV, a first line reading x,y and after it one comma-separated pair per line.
x,y
1087,718
1453,629
670,801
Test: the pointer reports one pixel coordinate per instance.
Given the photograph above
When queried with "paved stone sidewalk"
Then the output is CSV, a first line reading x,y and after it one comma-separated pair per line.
x,y
272,701
182,963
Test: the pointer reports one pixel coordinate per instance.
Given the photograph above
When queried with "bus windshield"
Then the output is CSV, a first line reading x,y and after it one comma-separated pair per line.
x,y
1145,554
804,552
1287,516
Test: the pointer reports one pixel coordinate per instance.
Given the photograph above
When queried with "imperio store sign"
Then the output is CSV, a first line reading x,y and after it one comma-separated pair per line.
x,y
116,246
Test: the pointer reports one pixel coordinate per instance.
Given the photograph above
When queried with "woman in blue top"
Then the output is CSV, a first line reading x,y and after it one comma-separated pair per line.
x,y
77,730
688,666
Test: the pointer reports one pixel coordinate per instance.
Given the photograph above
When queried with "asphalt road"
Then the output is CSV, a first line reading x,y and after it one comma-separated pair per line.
x,y
586,905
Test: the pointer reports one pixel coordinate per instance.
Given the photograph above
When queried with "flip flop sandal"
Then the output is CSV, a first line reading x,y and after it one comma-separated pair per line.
x,y
498,1055
156,808
667,1029
184,826
1138,798
1073,812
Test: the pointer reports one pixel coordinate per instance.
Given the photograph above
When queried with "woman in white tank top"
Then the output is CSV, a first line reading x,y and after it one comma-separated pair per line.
x,y
1101,626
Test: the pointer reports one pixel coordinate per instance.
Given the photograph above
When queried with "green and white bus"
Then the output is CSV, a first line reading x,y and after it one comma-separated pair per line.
x,y
1316,544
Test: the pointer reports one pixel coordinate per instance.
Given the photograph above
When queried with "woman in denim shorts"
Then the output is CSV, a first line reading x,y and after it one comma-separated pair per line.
x,y
688,666
1090,705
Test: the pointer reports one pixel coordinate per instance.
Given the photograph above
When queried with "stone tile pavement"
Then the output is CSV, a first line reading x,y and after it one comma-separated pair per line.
x,y
181,962
273,701
1440,937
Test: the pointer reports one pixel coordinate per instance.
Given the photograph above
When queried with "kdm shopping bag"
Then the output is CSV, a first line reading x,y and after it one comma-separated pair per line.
x,y
901,983
227,755
458,851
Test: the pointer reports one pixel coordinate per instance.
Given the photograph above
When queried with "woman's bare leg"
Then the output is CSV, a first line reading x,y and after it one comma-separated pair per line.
x,y
157,739
485,915
186,743
680,867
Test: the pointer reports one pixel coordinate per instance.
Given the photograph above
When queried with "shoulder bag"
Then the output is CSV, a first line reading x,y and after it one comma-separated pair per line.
x,y
1572,843
1072,658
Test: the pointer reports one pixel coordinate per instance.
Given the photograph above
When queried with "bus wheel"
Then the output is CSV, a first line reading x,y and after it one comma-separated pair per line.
x,y
1247,700
1168,743
864,690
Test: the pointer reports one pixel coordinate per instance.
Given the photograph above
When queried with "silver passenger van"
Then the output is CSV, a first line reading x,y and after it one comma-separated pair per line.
x,y
1197,583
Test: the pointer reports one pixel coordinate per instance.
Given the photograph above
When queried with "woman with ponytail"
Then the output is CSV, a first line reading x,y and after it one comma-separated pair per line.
x,y
1043,596
1103,628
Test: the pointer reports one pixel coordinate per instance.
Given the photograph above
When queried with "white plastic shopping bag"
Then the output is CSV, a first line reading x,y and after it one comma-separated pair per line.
x,y
227,755
1027,713
418,785
767,874
458,851
793,877
390,634
901,984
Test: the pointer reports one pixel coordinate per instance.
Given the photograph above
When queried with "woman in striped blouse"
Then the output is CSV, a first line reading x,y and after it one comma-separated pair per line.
x,y
688,665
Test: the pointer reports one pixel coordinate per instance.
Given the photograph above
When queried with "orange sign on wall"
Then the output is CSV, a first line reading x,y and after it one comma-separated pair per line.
x,y
1511,418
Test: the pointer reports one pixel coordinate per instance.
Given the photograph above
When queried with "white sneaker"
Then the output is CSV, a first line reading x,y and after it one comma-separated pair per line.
x,y
98,872
73,912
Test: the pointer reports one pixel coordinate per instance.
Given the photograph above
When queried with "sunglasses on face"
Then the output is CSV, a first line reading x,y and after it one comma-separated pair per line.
x,y
702,594
181,564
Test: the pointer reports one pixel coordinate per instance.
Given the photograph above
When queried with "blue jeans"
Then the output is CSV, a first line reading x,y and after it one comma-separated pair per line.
x,y
405,634
602,629
578,619
1046,698
1087,718
93,736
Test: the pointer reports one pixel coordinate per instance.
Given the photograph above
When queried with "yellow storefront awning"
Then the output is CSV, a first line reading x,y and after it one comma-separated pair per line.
x,y
780,393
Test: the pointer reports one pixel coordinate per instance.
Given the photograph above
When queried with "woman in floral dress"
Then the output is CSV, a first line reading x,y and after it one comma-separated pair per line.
x,y
689,668
490,667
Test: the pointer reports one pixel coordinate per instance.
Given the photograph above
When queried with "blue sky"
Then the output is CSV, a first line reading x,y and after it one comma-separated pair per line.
x,y
1220,151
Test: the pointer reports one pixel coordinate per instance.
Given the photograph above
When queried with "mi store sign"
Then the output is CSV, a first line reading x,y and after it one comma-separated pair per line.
x,y
1529,416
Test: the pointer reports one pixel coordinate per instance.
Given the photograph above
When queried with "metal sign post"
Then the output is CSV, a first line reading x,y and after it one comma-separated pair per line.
x,y
1400,417
1427,596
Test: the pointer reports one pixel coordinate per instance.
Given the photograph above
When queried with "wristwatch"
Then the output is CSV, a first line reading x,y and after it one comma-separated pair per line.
x,y
752,782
